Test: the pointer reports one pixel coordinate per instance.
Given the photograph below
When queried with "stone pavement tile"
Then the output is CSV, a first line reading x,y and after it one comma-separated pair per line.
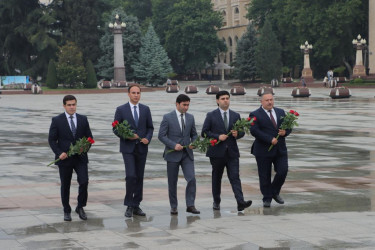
x,y
11,244
7,203
5,236
16,222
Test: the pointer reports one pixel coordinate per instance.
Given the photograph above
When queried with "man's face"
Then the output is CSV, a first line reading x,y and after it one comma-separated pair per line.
x,y
267,101
223,102
70,106
134,95
182,107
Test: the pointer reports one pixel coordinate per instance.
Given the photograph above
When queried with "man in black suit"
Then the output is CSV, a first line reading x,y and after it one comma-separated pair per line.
x,y
265,131
218,124
134,150
65,130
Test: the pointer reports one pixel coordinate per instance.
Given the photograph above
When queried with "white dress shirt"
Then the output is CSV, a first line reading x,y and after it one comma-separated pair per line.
x,y
74,119
273,114
179,118
132,109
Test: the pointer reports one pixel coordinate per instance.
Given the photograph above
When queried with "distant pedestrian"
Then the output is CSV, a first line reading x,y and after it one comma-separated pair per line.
x,y
303,82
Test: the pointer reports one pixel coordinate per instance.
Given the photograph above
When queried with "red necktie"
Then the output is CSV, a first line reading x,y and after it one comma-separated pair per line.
x,y
272,119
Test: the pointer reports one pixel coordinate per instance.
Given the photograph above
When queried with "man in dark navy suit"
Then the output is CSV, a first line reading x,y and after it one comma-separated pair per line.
x,y
265,131
218,124
134,150
65,130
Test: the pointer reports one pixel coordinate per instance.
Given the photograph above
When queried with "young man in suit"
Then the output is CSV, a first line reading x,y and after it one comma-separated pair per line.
x,y
218,124
134,150
65,130
265,131
177,131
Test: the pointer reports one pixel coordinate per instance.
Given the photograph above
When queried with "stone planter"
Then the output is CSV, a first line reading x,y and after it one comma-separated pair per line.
x,y
265,90
172,89
122,84
212,90
36,89
191,89
274,83
341,79
301,92
287,80
106,84
340,92
238,90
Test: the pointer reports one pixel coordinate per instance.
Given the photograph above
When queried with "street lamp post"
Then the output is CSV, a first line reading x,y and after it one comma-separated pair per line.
x,y
359,70
117,29
307,73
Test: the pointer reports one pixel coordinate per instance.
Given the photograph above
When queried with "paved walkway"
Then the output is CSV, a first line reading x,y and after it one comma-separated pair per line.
x,y
329,193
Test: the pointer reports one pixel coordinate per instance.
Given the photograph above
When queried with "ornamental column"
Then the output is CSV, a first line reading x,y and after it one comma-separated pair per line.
x,y
359,70
307,73
117,29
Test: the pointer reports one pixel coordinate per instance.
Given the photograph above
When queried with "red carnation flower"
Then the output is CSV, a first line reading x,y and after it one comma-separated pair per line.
x,y
292,111
248,118
254,119
296,113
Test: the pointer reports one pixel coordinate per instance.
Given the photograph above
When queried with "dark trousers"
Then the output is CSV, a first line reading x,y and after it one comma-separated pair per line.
x,y
66,172
267,187
233,172
187,166
134,172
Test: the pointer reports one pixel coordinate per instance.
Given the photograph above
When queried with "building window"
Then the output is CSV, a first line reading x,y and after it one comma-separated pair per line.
x,y
236,11
230,41
236,39
230,57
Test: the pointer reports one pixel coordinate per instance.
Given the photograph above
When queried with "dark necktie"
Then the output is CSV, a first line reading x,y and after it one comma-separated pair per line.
x,y
225,121
74,130
272,119
135,116
182,123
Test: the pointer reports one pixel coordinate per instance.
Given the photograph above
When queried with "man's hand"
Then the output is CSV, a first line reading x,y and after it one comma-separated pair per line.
x,y
274,141
63,156
135,137
144,141
178,147
234,133
223,137
191,147
282,132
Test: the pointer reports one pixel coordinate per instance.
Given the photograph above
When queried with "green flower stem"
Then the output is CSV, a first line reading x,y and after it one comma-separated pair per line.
x,y
269,149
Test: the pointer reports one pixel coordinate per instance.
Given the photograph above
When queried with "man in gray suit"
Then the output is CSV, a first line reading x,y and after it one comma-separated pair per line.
x,y
177,131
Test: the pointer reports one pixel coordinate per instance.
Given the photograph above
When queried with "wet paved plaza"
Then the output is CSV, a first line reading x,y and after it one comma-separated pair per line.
x,y
329,192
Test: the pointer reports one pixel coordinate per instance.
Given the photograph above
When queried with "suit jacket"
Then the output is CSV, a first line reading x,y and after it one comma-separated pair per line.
x,y
145,127
61,137
264,131
170,134
213,127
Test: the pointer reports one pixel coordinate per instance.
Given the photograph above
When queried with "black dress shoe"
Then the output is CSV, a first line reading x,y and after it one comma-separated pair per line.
x,y
174,211
266,203
67,217
129,212
241,206
81,213
278,199
138,211
192,210
216,206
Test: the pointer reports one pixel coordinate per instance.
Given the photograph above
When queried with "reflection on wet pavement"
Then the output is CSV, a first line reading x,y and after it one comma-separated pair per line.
x,y
329,193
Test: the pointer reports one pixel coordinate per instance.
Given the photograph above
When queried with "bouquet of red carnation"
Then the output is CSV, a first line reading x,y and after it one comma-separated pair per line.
x,y
289,121
123,129
242,125
80,147
200,144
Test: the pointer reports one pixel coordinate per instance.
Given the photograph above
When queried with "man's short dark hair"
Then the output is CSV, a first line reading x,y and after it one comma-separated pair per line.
x,y
222,92
69,98
130,87
182,98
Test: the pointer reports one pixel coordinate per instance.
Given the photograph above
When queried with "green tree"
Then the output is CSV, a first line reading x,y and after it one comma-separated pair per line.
x,y
268,54
245,55
79,22
154,65
70,68
52,75
330,25
140,8
131,39
160,11
26,40
191,40
91,80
